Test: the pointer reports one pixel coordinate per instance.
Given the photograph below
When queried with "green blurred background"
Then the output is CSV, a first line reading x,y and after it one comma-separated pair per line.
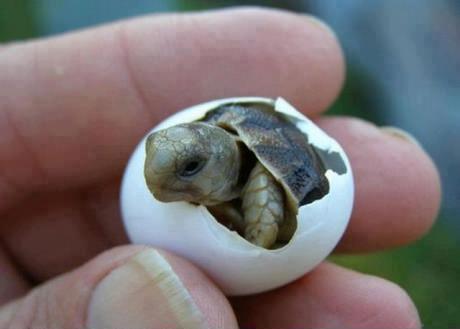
x,y
429,270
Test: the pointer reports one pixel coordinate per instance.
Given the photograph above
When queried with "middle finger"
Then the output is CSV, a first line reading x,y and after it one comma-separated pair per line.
x,y
397,197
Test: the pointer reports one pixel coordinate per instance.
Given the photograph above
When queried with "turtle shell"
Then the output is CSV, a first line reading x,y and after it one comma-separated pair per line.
x,y
279,145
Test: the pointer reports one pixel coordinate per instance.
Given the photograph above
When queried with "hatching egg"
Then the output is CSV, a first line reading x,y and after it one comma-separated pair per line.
x,y
238,266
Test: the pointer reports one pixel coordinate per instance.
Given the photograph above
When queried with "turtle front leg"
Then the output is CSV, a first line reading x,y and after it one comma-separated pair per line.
x,y
263,207
228,215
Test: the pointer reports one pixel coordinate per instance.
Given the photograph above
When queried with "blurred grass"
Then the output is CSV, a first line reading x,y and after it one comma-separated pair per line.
x,y
17,20
357,97
429,269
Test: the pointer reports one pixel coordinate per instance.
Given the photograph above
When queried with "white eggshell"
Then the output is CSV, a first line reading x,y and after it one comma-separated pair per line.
x,y
237,266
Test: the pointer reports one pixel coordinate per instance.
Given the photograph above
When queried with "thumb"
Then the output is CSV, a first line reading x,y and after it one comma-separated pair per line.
x,y
127,287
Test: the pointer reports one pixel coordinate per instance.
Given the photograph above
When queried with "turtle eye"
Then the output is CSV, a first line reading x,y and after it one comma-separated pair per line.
x,y
191,167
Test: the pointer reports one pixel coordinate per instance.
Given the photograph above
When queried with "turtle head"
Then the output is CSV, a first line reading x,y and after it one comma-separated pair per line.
x,y
193,162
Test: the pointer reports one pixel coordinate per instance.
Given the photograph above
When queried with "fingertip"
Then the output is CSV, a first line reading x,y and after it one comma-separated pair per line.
x,y
419,187
330,297
371,302
397,185
394,304
426,178
318,48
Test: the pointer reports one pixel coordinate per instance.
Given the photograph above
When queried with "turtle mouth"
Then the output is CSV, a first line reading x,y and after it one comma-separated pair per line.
x,y
168,193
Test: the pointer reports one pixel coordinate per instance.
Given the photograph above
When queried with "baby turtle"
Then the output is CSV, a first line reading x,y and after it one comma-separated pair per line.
x,y
250,165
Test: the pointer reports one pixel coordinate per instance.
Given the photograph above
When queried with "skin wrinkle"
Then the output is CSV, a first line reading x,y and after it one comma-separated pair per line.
x,y
14,194
38,171
33,238
15,263
325,306
32,154
43,61
12,283
50,309
12,315
39,306
120,33
7,312
330,312
106,213
8,183
89,216
34,164
26,311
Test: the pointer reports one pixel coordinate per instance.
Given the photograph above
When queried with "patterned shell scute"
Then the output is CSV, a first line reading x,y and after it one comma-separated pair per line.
x,y
278,144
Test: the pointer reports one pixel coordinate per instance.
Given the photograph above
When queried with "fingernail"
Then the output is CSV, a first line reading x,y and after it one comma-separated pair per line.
x,y
143,293
399,133
321,24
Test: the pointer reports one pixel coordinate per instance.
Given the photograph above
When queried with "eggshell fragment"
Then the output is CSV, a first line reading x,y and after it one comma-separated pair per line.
x,y
236,265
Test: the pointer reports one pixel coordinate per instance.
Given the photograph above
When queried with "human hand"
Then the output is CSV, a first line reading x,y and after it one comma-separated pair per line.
x,y
72,109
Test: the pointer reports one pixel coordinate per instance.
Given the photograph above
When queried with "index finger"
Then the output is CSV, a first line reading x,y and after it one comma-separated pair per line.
x,y
73,107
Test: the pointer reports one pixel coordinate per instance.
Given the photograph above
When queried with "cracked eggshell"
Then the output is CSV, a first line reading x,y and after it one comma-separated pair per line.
x,y
236,265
